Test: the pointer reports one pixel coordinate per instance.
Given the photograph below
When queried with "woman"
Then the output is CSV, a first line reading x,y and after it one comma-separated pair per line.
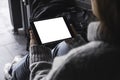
x,y
97,60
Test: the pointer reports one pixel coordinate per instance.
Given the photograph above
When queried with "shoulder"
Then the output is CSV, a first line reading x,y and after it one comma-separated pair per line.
x,y
78,53
84,60
93,52
85,53
86,49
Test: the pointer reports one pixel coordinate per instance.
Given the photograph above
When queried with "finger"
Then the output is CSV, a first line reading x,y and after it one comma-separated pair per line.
x,y
32,34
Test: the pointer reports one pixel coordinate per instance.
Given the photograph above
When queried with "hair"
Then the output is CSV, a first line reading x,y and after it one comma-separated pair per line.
x,y
109,16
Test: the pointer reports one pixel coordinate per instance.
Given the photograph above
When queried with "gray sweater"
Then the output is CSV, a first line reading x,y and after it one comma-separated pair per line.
x,y
96,60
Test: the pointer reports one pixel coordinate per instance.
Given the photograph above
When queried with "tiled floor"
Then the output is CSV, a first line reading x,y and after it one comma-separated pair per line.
x,y
10,44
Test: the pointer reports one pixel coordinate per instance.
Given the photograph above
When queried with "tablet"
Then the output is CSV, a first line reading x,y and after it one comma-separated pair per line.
x,y
51,30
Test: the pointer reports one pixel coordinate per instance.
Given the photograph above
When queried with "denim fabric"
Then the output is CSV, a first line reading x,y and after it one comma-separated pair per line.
x,y
20,71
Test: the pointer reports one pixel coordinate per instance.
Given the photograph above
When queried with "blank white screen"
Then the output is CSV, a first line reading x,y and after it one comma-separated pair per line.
x,y
52,30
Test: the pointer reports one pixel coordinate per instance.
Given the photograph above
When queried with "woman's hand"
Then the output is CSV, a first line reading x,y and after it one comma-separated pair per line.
x,y
32,38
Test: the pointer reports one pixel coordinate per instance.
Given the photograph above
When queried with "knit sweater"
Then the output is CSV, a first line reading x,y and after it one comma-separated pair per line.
x,y
96,60
40,54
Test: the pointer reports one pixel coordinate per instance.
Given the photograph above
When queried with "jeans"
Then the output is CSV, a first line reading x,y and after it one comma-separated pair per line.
x,y
20,71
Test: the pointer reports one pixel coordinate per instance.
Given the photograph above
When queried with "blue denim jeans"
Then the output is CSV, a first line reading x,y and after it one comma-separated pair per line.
x,y
20,71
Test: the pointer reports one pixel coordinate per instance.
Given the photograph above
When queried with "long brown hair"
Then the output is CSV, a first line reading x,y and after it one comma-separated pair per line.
x,y
109,16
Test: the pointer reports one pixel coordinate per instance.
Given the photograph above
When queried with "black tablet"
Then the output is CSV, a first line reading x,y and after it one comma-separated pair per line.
x,y
51,30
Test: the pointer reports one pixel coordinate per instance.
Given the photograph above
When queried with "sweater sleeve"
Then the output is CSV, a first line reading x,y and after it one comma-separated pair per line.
x,y
40,62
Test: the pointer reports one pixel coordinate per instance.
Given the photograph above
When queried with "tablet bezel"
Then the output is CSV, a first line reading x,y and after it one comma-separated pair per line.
x,y
38,38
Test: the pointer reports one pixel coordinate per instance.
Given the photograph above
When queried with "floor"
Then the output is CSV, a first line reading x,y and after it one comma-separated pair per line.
x,y
10,44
